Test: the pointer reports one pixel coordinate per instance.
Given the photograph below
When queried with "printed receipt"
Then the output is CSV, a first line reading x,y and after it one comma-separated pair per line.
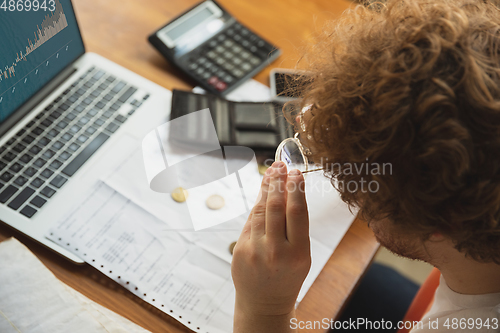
x,y
164,268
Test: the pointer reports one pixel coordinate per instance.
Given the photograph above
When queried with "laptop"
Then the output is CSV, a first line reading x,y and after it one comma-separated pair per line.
x,y
63,114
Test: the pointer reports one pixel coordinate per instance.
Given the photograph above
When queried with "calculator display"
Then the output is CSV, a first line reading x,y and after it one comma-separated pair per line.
x,y
194,26
193,21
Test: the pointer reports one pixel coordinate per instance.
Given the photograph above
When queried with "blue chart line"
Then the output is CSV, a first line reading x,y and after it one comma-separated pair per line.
x,y
65,46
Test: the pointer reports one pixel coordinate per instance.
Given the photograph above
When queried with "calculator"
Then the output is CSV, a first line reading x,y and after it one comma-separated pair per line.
x,y
213,48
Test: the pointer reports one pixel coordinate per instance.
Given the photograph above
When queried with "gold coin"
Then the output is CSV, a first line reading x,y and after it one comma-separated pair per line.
x,y
231,247
215,202
179,194
263,169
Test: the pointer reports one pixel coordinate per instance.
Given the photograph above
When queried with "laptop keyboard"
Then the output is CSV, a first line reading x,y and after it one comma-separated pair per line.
x,y
41,157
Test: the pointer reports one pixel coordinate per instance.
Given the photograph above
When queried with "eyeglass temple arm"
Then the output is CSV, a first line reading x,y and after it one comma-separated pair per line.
x,y
313,170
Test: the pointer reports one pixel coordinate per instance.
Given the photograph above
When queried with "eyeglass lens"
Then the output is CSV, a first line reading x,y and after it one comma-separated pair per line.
x,y
292,156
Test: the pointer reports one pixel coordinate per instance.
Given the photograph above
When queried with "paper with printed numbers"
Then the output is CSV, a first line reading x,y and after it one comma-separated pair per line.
x,y
127,244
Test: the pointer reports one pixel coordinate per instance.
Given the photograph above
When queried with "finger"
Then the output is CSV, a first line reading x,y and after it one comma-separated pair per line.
x,y
276,202
258,221
297,217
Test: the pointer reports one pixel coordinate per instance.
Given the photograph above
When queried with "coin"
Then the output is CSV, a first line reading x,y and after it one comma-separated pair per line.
x,y
263,169
231,247
215,202
179,194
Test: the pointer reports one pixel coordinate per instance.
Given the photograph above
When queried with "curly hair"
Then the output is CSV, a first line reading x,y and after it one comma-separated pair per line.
x,y
414,84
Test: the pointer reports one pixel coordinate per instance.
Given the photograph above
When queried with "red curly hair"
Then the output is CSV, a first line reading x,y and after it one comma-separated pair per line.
x,y
414,84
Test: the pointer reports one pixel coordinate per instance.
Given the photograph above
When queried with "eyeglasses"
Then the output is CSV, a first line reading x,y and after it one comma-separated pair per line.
x,y
294,155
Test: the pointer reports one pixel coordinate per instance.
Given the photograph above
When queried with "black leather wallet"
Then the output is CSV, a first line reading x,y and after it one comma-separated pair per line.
x,y
260,126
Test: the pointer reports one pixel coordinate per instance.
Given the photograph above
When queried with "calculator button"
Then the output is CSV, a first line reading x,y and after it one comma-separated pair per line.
x,y
237,61
212,55
199,71
208,65
228,55
202,61
244,31
220,49
230,32
220,61
227,78
221,38
253,48
237,73
220,73
245,55
245,43
261,43
237,49
213,80
192,66
228,66
253,38
221,86
254,60
206,75
237,37
228,43
246,67
212,43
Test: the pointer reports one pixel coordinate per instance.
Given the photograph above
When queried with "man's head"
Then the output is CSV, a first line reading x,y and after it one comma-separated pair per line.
x,y
414,85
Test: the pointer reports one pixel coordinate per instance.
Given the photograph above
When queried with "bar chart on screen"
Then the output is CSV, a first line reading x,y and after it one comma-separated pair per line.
x,y
35,46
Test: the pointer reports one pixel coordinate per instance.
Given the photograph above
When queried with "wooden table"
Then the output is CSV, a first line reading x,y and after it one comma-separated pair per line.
x,y
117,29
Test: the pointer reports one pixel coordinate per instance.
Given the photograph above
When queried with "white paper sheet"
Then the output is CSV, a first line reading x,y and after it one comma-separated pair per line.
x,y
33,300
128,244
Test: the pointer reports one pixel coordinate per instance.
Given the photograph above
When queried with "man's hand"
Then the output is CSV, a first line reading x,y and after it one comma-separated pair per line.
x,y
272,256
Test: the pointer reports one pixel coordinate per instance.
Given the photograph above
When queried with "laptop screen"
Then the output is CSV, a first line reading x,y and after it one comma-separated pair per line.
x,y
38,39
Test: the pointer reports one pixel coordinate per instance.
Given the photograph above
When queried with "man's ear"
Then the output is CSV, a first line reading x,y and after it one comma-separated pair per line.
x,y
436,236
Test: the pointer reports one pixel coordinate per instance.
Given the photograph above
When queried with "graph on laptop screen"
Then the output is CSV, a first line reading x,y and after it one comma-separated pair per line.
x,y
38,39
